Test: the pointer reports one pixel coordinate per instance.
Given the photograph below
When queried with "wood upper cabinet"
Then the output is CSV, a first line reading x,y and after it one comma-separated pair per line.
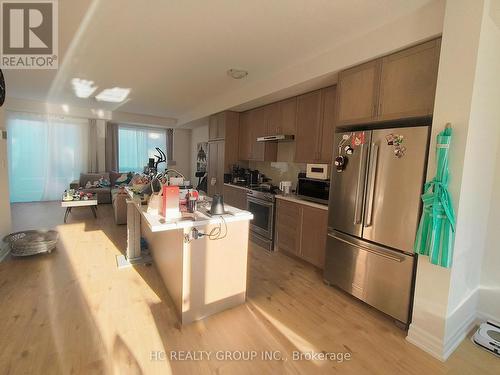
x,y
217,126
315,126
301,231
401,85
358,93
408,82
253,124
282,117
212,172
273,118
288,111
308,126
325,141
245,137
222,153
314,231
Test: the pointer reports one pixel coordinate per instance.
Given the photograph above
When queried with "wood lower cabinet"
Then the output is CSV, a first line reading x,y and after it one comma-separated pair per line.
x,y
301,231
288,222
314,231
235,196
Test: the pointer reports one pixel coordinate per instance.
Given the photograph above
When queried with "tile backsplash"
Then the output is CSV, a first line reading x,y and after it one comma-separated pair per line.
x,y
283,169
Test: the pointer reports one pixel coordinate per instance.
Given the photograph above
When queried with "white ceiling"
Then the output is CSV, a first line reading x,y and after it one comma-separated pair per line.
x,y
174,55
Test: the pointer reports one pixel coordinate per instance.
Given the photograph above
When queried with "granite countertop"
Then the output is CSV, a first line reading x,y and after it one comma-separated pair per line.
x,y
290,197
294,198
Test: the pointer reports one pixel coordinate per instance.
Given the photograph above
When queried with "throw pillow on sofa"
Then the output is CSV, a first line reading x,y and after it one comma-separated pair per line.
x,y
124,179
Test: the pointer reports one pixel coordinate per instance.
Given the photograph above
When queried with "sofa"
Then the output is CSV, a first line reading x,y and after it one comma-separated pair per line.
x,y
108,194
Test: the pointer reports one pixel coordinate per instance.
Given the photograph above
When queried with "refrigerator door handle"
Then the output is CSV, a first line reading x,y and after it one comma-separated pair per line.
x,y
371,184
359,188
373,251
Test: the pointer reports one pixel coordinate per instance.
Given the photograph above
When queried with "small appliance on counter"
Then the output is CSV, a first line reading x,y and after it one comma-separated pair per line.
x,y
170,202
313,189
285,187
217,207
317,171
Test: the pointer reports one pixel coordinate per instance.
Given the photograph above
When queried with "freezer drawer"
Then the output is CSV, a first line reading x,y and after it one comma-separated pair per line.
x,y
382,278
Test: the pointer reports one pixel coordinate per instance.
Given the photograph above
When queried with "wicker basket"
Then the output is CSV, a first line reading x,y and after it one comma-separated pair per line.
x,y
32,242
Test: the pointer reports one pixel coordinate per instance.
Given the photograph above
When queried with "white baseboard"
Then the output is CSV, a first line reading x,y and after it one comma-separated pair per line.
x,y
458,324
425,341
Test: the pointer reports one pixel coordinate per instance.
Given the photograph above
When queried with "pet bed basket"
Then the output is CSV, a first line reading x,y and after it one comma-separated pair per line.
x,y
32,242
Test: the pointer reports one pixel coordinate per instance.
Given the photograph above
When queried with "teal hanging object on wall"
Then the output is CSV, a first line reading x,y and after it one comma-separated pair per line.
x,y
436,231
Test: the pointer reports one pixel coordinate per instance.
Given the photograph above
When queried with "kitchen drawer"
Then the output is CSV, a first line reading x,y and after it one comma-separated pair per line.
x,y
376,275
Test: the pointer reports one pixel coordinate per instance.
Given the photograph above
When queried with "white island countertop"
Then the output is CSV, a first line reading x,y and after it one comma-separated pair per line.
x,y
158,223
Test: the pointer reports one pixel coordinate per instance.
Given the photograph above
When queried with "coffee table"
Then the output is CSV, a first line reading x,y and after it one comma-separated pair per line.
x,y
91,202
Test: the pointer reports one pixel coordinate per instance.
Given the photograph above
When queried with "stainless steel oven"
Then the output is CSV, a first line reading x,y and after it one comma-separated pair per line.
x,y
261,205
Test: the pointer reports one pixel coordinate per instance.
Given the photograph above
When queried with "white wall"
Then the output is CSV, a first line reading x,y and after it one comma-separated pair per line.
x,y
182,151
5,221
419,25
445,305
489,111
198,134
489,296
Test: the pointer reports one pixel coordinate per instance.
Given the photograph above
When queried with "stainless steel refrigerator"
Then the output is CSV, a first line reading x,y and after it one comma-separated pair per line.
x,y
374,212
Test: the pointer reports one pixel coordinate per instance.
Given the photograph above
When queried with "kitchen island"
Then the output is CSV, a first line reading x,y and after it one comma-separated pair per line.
x,y
202,259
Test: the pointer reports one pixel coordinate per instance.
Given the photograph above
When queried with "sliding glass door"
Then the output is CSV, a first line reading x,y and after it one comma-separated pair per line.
x,y
136,145
45,155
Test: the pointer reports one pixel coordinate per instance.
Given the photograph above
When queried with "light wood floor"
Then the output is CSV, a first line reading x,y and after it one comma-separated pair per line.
x,y
73,311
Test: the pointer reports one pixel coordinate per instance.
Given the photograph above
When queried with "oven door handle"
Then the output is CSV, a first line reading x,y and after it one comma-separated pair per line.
x,y
259,201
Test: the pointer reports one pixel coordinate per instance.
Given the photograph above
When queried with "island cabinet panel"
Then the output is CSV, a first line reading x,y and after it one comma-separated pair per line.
x,y
314,231
358,93
235,196
408,82
301,231
315,126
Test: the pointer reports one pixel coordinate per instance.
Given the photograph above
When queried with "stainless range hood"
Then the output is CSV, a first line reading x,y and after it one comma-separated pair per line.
x,y
278,137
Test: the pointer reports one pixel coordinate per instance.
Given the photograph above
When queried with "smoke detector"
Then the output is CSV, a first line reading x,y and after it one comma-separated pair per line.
x,y
237,73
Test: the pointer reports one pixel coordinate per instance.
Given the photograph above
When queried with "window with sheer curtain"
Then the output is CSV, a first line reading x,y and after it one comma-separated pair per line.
x,y
45,154
137,144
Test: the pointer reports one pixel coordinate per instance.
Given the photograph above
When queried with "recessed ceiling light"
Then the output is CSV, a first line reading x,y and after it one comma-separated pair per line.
x,y
83,88
65,108
114,95
237,73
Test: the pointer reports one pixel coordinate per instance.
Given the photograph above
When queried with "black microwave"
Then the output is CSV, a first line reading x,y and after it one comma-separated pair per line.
x,y
313,189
